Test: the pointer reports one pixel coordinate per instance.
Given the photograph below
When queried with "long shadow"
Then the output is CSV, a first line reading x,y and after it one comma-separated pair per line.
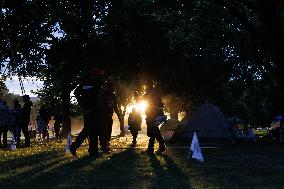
x,y
117,171
235,166
47,175
168,176
111,171
15,179
29,160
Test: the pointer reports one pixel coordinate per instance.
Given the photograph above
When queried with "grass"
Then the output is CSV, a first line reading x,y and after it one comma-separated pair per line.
x,y
257,165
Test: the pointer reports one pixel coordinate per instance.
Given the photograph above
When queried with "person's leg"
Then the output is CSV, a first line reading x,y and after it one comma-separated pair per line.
x,y
135,133
151,144
159,138
18,136
150,124
80,138
93,144
102,128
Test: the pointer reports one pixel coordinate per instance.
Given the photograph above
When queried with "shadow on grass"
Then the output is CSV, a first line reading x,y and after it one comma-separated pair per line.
x,y
236,166
115,171
29,160
168,175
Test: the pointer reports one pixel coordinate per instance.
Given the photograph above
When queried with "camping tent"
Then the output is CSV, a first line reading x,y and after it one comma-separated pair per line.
x,y
208,122
168,127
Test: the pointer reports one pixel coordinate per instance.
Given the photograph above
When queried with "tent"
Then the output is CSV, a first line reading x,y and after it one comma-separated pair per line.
x,y
168,127
208,122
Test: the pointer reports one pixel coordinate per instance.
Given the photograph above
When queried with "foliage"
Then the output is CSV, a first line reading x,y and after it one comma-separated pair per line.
x,y
225,52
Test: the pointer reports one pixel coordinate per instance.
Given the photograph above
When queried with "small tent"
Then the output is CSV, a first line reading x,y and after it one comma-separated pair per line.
x,y
208,122
168,127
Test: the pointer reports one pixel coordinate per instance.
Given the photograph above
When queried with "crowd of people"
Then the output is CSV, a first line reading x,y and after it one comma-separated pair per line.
x,y
16,120
98,101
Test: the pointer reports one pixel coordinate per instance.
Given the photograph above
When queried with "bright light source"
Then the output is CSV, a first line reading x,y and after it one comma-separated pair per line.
x,y
142,106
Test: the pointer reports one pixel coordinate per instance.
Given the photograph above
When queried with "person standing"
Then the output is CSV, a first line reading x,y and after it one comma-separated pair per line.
x,y
154,116
91,98
4,123
25,120
16,120
42,122
134,123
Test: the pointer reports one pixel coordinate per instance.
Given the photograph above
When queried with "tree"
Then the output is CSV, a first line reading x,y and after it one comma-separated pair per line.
x,y
198,49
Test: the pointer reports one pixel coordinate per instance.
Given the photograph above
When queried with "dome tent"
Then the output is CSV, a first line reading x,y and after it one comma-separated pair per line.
x,y
208,122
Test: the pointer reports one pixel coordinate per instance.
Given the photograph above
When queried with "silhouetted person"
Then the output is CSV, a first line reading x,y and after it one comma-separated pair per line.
x,y
109,108
154,116
4,123
42,122
16,120
25,120
134,123
91,97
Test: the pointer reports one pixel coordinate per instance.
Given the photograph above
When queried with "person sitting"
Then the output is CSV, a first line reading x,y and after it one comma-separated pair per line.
x,y
134,122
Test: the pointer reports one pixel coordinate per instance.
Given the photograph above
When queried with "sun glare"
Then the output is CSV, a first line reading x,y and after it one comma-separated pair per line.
x,y
140,107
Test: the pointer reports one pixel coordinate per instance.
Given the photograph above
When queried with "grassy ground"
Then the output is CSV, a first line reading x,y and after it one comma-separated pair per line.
x,y
234,166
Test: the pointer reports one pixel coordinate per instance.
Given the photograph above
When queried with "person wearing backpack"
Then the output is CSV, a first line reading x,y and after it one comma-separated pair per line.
x,y
154,117
91,98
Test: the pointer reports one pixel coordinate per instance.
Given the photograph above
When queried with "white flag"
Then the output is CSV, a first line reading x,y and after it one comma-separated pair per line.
x,y
13,142
195,148
69,142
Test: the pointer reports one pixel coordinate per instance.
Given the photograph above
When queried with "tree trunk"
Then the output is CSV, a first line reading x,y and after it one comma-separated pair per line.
x,y
65,95
121,123
66,127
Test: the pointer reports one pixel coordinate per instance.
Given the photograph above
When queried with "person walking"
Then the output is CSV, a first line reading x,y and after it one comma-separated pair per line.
x,y
134,123
154,116
91,98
